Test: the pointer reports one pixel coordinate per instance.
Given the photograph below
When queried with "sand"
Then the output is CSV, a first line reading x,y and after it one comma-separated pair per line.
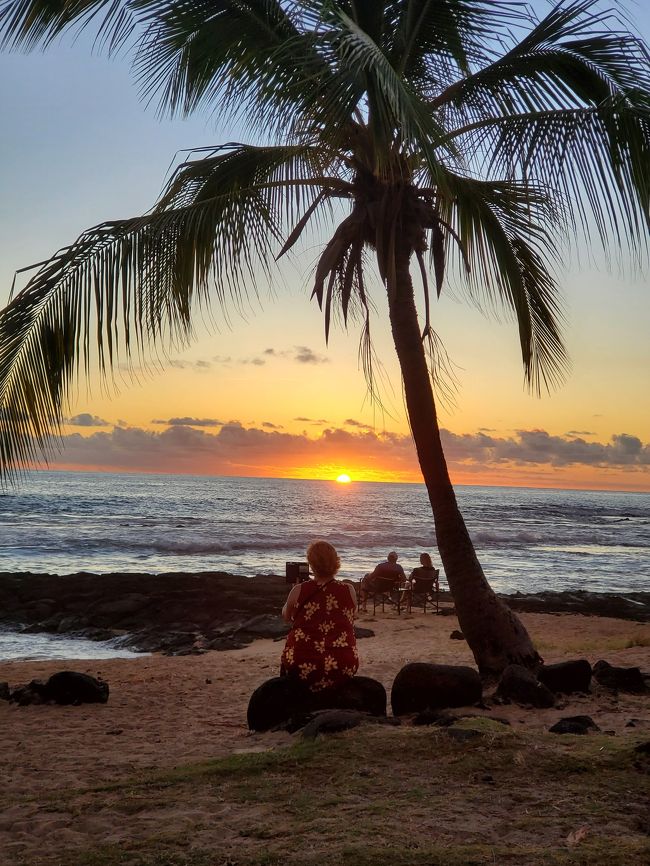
x,y
167,711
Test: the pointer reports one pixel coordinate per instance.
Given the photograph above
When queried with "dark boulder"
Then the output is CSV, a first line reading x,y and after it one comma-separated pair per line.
x,y
71,624
5,693
358,693
335,721
283,700
275,702
457,635
421,686
71,687
98,634
574,725
332,722
566,677
518,684
32,693
622,679
360,632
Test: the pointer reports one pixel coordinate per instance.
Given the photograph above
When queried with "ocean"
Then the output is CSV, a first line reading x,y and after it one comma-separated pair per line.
x,y
526,539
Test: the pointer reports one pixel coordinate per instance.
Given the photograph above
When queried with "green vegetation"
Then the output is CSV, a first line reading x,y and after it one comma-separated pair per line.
x,y
374,796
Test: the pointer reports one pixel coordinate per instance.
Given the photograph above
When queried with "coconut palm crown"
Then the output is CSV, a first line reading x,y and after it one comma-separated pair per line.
x,y
464,140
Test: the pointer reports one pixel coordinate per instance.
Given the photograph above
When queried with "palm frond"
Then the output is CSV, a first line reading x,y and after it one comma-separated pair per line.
x,y
134,285
506,234
396,113
27,24
193,55
442,39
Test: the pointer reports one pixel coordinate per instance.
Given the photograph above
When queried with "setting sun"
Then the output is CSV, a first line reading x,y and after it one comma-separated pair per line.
x,y
344,479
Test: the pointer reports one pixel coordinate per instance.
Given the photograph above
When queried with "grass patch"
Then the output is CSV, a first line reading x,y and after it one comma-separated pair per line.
x,y
638,640
405,796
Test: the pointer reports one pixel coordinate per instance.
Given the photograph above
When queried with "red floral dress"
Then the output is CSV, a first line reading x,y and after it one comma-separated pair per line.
x,y
321,647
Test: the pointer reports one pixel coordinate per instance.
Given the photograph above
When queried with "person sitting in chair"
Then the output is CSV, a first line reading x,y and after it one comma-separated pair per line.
x,y
425,569
389,568
423,583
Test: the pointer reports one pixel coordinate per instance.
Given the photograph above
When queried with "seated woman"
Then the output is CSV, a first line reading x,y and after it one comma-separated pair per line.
x,y
425,569
321,647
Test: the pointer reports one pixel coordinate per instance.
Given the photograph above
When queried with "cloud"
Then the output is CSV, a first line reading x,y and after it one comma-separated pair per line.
x,y
228,361
539,447
239,450
305,355
85,419
350,422
271,426
189,422
199,365
318,421
580,433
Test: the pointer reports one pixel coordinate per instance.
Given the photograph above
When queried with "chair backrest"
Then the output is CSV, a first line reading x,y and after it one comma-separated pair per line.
x,y
385,569
424,584
384,584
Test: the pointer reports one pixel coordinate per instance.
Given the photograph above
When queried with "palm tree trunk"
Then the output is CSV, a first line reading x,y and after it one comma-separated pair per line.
x,y
493,632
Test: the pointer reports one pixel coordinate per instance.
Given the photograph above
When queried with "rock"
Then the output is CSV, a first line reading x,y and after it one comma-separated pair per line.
x,y
5,693
574,725
275,702
65,687
71,687
358,693
51,624
169,643
71,623
360,632
332,722
42,608
264,625
566,677
622,679
117,607
456,635
32,693
421,686
98,634
518,684
632,605
286,701
34,628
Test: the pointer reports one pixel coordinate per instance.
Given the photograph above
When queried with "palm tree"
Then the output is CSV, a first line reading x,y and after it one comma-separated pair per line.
x,y
466,138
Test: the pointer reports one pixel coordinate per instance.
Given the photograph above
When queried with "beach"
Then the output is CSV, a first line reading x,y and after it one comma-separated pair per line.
x,y
177,712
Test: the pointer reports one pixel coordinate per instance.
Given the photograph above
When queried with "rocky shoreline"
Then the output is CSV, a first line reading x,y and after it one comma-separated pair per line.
x,y
182,613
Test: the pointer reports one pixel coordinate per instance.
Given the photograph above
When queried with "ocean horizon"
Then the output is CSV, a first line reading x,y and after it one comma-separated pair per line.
x,y
527,538
144,472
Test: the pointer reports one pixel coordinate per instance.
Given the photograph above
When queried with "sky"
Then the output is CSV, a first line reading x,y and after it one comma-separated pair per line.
x,y
262,393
